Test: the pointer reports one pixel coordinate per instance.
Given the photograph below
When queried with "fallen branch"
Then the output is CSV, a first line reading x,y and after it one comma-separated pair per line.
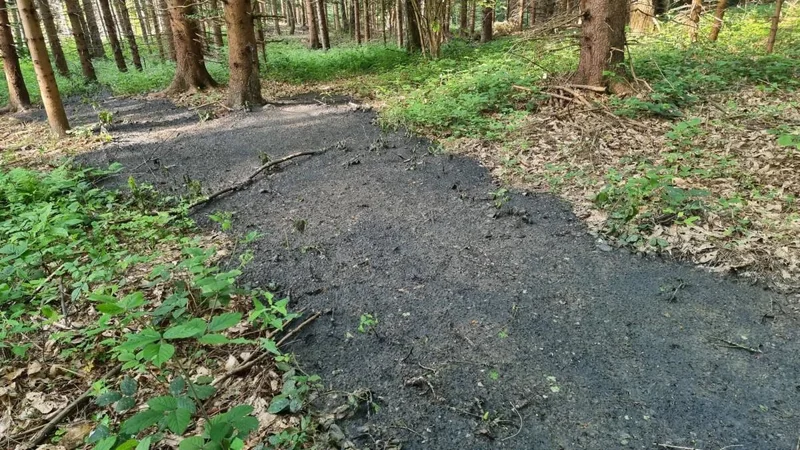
x,y
732,344
677,447
258,356
252,176
67,410
514,408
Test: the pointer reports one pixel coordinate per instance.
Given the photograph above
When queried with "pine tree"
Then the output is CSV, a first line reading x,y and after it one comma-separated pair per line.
x,y
18,97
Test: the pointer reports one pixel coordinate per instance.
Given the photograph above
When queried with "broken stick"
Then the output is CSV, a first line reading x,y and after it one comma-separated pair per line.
x,y
252,176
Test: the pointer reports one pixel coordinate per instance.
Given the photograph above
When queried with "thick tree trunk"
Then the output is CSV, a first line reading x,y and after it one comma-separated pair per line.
x,y
96,49
156,27
244,88
127,31
602,39
113,39
642,15
215,26
191,72
694,19
718,16
166,25
773,30
414,38
486,24
44,71
18,97
52,37
75,14
322,13
313,36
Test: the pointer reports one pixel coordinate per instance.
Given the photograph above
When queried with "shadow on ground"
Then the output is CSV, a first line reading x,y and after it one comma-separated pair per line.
x,y
528,335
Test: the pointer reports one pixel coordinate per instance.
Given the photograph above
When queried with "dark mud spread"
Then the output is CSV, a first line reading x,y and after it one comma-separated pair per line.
x,y
512,311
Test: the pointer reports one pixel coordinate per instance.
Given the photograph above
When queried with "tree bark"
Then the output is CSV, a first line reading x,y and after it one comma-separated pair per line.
x,y
260,34
322,12
127,30
365,19
414,38
18,97
718,16
400,26
52,37
191,72
694,19
44,71
289,11
75,14
16,27
602,40
215,26
244,88
355,24
313,37
166,25
140,14
113,39
773,30
642,14
156,27
486,24
96,49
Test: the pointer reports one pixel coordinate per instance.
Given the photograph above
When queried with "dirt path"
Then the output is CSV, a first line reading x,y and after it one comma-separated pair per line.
x,y
530,334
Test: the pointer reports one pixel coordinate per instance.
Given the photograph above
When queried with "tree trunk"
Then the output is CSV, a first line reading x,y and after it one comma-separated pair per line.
x,y
694,19
260,34
156,27
191,72
355,24
139,8
400,29
414,38
96,49
472,18
52,37
718,15
16,28
127,30
44,71
113,39
166,25
18,97
75,14
216,29
486,24
322,12
289,11
313,37
244,88
531,12
642,14
365,18
773,30
602,40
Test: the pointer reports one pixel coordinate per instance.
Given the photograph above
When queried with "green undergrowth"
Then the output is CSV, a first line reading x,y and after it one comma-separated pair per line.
x,y
107,279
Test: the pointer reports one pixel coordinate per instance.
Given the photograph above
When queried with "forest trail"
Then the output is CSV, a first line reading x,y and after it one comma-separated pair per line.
x,y
526,332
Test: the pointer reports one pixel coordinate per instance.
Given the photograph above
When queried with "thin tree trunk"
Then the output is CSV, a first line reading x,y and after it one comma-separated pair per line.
x,y
244,87
113,39
486,24
52,37
336,25
289,11
97,49
472,18
17,30
215,26
355,23
718,15
773,30
75,14
414,38
322,12
44,71
602,40
399,23
191,72
166,25
18,97
694,19
313,37
137,5
276,21
260,34
127,31
366,20
153,18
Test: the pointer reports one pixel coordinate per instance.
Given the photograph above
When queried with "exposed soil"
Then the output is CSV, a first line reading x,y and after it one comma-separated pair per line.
x,y
531,333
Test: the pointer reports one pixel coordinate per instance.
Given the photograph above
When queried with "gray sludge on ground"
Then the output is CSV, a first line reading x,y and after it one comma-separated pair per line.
x,y
509,314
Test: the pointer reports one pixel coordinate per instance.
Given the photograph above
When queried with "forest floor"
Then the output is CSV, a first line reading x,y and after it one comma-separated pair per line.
x,y
469,316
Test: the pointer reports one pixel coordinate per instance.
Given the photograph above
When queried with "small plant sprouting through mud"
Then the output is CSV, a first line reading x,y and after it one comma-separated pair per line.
x,y
367,323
